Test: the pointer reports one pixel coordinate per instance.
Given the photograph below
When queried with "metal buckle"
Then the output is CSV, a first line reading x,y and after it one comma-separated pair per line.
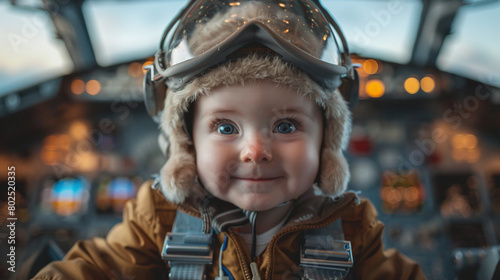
x,y
336,256
194,248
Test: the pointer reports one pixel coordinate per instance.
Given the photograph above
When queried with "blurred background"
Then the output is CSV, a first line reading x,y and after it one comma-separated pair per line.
x,y
425,145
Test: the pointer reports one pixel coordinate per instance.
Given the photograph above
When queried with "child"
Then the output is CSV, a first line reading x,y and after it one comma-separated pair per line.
x,y
253,126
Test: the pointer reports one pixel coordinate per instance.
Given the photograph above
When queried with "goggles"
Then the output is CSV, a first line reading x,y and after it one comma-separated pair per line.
x,y
207,32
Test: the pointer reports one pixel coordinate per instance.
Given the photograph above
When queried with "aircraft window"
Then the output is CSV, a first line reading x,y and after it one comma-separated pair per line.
x,y
122,31
471,50
29,52
383,29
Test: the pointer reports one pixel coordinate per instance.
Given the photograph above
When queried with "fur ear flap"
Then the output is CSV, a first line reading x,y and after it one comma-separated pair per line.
x,y
177,176
179,173
338,122
334,174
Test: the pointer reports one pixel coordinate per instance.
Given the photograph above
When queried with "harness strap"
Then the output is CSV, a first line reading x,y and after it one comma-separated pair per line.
x,y
187,272
325,254
187,249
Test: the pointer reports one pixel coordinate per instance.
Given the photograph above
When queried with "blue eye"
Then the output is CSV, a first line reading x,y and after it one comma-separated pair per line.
x,y
226,129
285,127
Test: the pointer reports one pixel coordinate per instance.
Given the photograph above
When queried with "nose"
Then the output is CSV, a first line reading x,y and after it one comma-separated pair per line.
x,y
256,149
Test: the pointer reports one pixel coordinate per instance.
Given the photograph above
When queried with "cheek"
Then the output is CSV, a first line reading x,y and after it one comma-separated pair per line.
x,y
214,167
311,163
302,161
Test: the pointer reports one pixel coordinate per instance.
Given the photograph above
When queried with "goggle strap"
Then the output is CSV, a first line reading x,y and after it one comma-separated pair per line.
x,y
346,54
174,21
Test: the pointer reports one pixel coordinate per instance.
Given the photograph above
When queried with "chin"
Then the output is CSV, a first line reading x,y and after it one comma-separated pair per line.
x,y
256,206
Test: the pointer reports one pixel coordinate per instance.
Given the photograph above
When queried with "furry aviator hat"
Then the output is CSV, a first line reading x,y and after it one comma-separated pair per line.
x,y
178,176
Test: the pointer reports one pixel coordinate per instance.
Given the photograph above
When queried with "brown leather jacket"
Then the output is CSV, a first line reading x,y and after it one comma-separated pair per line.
x,y
132,249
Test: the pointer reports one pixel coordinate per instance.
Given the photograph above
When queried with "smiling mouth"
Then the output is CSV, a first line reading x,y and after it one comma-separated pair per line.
x,y
257,179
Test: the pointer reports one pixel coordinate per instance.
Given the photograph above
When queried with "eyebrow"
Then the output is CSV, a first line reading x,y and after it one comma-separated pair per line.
x,y
283,112
220,112
291,110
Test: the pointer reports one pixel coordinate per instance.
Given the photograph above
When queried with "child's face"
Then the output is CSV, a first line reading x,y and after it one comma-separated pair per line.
x,y
257,146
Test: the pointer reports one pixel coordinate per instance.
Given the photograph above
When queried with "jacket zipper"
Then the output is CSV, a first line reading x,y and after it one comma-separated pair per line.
x,y
296,228
244,259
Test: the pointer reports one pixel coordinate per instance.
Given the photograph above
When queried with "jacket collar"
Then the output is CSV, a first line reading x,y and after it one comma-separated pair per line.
x,y
311,208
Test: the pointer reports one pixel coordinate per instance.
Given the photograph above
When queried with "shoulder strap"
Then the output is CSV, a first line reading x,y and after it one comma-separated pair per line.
x,y
187,249
325,254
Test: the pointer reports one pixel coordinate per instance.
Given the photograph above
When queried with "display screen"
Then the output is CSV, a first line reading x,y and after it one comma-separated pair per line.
x,y
494,192
401,193
467,235
457,194
64,197
113,192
